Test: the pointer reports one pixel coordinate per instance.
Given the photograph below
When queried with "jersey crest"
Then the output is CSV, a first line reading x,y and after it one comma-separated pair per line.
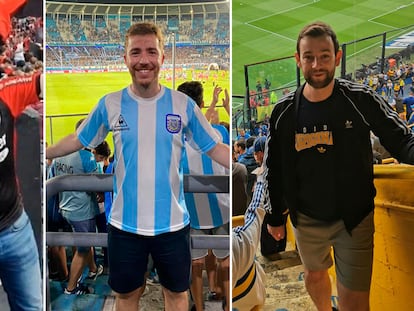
x,y
173,123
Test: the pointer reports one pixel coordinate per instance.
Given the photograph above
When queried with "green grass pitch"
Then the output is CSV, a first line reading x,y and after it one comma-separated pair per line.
x,y
265,30
71,94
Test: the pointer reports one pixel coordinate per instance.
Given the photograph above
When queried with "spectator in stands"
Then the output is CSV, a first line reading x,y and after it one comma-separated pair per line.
x,y
247,159
319,166
57,260
397,103
102,153
390,88
209,212
158,120
248,276
243,135
409,103
79,209
8,8
239,148
239,193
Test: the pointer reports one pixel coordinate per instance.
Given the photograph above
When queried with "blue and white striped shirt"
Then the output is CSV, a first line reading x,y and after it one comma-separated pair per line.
x,y
207,210
148,135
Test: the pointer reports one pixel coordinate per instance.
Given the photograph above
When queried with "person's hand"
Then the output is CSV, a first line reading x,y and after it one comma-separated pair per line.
x,y
216,92
278,233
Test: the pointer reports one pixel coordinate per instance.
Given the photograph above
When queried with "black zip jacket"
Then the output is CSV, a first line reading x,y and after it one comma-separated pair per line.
x,y
11,206
358,110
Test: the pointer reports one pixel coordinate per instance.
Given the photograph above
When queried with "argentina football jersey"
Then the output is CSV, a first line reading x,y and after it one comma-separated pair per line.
x,y
148,136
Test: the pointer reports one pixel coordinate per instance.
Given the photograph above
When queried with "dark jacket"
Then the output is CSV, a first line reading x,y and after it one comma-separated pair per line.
x,y
11,204
358,110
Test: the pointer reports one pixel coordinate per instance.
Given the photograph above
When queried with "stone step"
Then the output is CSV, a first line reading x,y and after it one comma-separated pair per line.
x,y
285,286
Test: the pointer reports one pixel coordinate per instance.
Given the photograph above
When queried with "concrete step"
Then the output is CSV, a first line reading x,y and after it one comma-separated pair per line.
x,y
103,299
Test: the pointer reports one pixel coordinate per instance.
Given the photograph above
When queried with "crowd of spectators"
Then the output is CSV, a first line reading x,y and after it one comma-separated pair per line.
x,y
71,29
22,52
201,41
112,55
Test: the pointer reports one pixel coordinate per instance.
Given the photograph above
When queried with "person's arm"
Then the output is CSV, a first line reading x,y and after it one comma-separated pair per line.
x,y
221,154
246,238
41,92
226,101
211,109
66,145
273,177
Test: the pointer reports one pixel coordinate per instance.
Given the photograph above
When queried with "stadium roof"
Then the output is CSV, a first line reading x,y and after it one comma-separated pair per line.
x,y
131,2
169,8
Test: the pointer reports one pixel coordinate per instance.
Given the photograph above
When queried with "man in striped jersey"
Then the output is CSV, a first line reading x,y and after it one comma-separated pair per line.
x,y
148,216
319,166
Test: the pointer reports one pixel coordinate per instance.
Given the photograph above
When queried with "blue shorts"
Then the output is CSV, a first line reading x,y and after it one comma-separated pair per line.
x,y
128,259
88,225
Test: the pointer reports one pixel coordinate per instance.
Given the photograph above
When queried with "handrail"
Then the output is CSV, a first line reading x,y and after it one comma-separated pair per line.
x,y
104,182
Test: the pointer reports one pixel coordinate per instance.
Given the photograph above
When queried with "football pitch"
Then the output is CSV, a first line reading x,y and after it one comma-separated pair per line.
x,y
70,96
265,30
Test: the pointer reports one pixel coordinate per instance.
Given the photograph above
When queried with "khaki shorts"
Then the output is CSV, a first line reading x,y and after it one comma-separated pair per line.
x,y
218,253
353,253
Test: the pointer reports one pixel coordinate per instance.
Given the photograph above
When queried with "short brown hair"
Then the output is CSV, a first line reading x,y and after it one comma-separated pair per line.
x,y
145,28
318,29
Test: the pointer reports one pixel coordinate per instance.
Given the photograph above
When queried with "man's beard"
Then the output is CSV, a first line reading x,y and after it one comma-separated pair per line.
x,y
320,83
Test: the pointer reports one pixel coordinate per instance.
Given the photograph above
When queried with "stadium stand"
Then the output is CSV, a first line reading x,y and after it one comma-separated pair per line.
x,y
85,34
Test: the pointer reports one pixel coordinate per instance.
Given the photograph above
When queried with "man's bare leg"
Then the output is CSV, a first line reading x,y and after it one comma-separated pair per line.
x,y
350,300
319,288
197,283
175,301
129,301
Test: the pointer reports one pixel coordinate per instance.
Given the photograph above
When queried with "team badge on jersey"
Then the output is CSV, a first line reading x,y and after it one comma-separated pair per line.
x,y
173,123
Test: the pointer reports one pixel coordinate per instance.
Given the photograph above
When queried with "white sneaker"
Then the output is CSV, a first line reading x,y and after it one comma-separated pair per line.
x,y
93,275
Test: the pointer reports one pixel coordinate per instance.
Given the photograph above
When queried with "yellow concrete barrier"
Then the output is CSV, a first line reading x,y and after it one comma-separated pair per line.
x,y
393,272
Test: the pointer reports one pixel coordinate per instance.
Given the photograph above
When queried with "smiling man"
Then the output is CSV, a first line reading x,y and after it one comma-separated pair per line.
x,y
318,164
148,216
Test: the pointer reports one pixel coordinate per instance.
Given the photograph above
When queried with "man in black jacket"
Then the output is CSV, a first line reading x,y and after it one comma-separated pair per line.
x,y
19,257
318,164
